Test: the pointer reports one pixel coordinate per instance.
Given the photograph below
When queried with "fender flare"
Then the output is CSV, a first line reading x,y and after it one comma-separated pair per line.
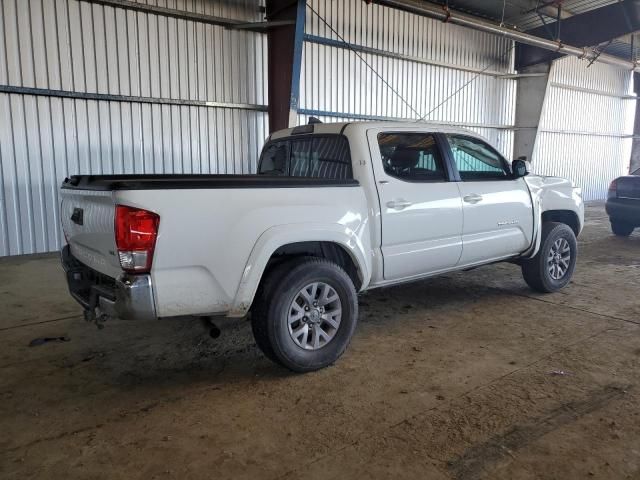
x,y
536,202
543,203
280,235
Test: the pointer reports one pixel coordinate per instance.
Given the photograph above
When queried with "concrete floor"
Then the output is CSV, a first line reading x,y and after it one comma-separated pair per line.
x,y
447,378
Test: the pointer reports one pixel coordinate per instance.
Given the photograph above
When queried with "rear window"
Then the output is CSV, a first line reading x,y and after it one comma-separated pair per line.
x,y
312,156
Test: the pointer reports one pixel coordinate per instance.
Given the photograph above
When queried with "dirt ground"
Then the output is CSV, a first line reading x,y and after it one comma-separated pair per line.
x,y
464,376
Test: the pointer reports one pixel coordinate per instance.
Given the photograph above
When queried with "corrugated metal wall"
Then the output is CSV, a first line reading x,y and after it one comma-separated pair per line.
x,y
199,94
118,91
586,125
423,60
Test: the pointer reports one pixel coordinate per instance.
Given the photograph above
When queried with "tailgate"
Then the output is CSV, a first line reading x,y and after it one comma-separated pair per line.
x,y
628,187
87,221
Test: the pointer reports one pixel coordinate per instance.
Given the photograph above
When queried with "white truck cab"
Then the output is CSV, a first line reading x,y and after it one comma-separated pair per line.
x,y
333,209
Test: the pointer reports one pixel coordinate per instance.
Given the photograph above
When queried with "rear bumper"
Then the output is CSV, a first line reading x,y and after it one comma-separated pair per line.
x,y
625,210
129,297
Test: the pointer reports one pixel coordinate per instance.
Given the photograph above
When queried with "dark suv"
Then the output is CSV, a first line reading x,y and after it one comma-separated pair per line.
x,y
623,204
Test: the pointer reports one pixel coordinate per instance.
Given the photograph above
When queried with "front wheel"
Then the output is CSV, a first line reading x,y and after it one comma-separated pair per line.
x,y
306,315
552,267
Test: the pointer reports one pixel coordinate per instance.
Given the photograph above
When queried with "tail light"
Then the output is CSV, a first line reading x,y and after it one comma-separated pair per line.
x,y
613,189
136,233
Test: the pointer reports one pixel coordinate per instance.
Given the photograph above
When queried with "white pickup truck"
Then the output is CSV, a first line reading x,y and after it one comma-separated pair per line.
x,y
333,210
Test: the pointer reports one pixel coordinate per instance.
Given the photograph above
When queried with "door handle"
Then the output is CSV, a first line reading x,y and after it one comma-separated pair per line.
x,y
398,204
473,198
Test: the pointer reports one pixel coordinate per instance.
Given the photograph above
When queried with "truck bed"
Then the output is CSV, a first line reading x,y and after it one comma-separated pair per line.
x,y
209,226
196,181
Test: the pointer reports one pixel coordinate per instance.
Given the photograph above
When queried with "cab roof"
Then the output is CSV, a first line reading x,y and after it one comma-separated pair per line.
x,y
341,127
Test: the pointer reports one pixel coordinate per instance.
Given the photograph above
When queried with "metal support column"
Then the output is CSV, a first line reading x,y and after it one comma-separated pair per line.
x,y
531,92
285,59
635,149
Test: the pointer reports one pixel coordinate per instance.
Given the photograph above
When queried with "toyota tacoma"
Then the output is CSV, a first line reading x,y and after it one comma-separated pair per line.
x,y
333,210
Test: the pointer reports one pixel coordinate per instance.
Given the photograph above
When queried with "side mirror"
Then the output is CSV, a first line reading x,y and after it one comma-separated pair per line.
x,y
519,168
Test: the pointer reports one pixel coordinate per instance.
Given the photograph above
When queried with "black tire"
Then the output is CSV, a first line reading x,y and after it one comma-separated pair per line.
x,y
621,229
260,308
536,270
269,317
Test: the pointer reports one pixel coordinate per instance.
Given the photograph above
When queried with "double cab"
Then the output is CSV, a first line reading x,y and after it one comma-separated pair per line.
x,y
333,210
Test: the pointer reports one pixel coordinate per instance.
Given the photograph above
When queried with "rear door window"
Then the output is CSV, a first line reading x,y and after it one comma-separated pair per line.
x,y
412,156
313,157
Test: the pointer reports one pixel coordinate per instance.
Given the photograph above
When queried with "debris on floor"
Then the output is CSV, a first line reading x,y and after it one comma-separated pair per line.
x,y
36,342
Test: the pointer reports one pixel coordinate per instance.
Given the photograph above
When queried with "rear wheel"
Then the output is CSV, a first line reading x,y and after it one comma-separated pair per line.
x,y
306,314
552,267
621,229
265,292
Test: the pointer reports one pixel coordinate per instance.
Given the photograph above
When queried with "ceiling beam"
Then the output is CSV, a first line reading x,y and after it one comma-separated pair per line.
x,y
457,18
548,9
594,27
